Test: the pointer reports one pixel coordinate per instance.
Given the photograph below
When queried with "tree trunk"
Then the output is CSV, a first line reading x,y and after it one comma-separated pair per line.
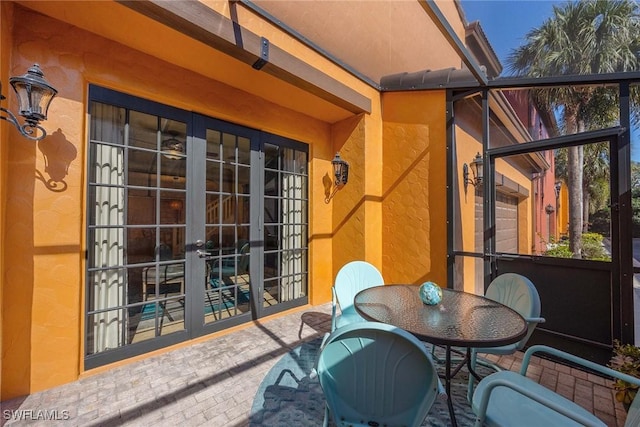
x,y
584,190
574,170
585,207
574,184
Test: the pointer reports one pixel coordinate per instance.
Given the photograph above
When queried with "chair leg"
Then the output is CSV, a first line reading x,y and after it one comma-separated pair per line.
x,y
434,357
440,360
471,385
325,423
489,364
324,340
475,361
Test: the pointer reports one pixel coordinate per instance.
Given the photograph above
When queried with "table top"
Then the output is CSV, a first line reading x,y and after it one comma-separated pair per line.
x,y
461,319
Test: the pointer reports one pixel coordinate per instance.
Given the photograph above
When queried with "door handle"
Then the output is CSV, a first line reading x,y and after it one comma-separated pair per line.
x,y
203,254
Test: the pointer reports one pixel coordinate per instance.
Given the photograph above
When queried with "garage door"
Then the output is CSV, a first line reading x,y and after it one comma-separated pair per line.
x,y
506,223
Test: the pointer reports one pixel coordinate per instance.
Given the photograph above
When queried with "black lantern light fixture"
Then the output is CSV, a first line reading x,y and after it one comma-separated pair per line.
x,y
34,97
549,210
340,174
340,170
477,170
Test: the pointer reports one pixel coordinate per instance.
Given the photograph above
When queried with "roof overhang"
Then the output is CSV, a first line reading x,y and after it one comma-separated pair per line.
x,y
200,22
355,34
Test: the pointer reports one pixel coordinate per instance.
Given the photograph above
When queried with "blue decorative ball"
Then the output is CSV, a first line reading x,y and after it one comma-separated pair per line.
x,y
430,293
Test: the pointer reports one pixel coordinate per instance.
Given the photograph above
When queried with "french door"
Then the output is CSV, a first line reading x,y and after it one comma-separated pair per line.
x,y
194,225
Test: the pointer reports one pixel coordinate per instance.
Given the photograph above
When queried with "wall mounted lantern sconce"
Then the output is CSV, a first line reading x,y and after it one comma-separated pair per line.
x,y
557,187
476,169
340,174
340,170
173,149
549,209
34,97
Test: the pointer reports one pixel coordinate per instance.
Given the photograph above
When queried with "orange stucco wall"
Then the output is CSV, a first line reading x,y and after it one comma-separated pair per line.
x,y
5,47
357,221
43,298
349,219
392,212
43,292
414,187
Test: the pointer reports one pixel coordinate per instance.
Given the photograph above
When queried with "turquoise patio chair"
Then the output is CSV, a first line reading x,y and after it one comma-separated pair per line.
x,y
511,399
375,374
219,273
351,279
518,293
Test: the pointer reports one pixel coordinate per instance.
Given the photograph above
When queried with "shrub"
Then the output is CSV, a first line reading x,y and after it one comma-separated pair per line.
x,y
625,359
560,250
594,238
592,247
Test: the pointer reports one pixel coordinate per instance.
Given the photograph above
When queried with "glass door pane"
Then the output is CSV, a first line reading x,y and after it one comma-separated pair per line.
x,y
177,208
227,225
285,224
137,225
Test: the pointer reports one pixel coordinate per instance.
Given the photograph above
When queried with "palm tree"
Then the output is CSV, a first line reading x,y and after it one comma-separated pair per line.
x,y
582,37
595,180
596,176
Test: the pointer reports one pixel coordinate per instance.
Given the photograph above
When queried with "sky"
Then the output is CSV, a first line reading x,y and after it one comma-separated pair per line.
x,y
506,22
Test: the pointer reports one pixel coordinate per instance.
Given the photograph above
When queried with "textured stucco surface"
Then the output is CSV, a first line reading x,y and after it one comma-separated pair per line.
x,y
414,187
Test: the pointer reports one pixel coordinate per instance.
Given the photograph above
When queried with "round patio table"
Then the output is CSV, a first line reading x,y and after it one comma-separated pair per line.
x,y
460,320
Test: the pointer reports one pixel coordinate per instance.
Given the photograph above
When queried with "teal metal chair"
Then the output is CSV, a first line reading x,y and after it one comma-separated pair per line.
x,y
511,399
219,273
518,293
375,374
351,279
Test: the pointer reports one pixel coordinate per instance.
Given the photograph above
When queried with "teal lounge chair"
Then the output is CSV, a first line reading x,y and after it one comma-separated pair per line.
x,y
518,293
511,399
374,374
351,279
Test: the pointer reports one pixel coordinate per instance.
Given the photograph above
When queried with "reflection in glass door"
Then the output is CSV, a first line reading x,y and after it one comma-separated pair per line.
x,y
137,182
227,225
285,223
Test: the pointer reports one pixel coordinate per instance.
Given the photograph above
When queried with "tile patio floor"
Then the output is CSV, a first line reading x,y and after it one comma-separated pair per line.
x,y
213,382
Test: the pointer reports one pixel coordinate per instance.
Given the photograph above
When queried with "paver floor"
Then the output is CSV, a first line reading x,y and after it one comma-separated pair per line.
x,y
213,382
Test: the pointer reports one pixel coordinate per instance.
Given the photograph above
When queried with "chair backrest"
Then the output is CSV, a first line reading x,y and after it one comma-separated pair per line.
x,y
164,251
377,374
354,277
518,293
243,262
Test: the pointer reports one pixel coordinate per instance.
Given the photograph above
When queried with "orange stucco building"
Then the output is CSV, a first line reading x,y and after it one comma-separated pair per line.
x,y
199,62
